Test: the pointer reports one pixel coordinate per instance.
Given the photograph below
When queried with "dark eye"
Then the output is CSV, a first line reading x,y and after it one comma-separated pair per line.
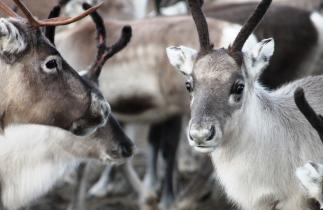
x,y
237,88
51,64
189,86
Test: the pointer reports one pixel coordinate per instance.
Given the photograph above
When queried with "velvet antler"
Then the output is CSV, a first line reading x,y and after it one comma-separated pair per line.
x,y
314,119
105,52
47,22
250,25
201,25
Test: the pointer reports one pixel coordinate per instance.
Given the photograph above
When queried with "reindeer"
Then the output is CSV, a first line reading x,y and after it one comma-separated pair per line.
x,y
255,136
37,85
31,153
153,93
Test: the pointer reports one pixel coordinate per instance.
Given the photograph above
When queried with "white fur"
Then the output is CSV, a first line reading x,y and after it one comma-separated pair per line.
x,y
264,142
182,58
179,8
33,158
140,7
11,41
258,58
311,177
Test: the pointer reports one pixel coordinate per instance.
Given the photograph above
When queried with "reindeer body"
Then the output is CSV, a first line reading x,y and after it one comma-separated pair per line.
x,y
33,157
264,144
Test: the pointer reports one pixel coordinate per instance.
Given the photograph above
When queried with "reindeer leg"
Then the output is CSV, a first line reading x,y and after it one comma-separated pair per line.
x,y
170,139
101,187
151,181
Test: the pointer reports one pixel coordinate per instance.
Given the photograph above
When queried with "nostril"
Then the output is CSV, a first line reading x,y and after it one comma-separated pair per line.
x,y
212,133
126,150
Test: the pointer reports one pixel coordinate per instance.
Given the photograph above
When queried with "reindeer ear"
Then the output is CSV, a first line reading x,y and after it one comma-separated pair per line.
x,y
182,58
11,40
257,59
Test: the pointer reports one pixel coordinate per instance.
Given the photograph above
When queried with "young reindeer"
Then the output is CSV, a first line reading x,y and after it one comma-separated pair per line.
x,y
26,163
256,137
37,85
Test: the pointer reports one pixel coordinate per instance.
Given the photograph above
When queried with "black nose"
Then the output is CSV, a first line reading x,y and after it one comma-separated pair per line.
x,y
127,149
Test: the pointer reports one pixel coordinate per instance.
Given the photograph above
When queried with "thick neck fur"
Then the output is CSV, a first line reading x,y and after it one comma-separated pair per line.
x,y
32,159
264,143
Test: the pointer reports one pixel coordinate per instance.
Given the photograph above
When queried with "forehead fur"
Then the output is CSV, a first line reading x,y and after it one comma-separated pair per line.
x,y
217,65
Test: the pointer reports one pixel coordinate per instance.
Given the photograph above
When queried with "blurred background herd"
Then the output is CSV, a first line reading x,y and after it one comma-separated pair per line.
x,y
177,177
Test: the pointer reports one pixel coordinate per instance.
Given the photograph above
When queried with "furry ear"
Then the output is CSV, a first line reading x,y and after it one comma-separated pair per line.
x,y
182,58
257,59
11,40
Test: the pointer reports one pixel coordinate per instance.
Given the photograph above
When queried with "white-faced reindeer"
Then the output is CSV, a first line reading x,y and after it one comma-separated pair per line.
x,y
37,85
34,157
256,137
153,93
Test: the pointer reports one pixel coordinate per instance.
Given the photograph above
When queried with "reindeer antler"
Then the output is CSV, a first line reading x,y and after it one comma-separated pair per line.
x,y
105,52
50,30
315,120
7,10
201,25
47,22
250,25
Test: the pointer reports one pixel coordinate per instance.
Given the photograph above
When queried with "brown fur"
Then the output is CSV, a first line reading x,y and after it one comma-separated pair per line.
x,y
31,95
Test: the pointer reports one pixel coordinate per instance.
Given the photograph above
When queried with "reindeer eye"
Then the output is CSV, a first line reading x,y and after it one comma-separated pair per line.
x,y
189,86
52,64
237,88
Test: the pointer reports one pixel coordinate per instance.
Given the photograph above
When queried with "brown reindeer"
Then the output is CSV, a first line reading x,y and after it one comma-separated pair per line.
x,y
32,153
37,85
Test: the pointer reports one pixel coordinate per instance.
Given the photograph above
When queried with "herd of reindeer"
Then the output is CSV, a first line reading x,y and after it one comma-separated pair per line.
x,y
239,81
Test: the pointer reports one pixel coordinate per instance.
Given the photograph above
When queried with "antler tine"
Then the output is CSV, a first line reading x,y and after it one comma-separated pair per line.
x,y
201,25
315,120
53,21
27,13
105,52
50,30
115,48
250,25
7,10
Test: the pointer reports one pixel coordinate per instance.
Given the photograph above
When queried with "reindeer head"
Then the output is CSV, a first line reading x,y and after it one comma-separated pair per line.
x,y
37,85
109,143
219,79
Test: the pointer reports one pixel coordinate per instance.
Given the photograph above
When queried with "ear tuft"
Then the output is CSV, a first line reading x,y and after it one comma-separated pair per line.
x,y
11,40
259,57
182,58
